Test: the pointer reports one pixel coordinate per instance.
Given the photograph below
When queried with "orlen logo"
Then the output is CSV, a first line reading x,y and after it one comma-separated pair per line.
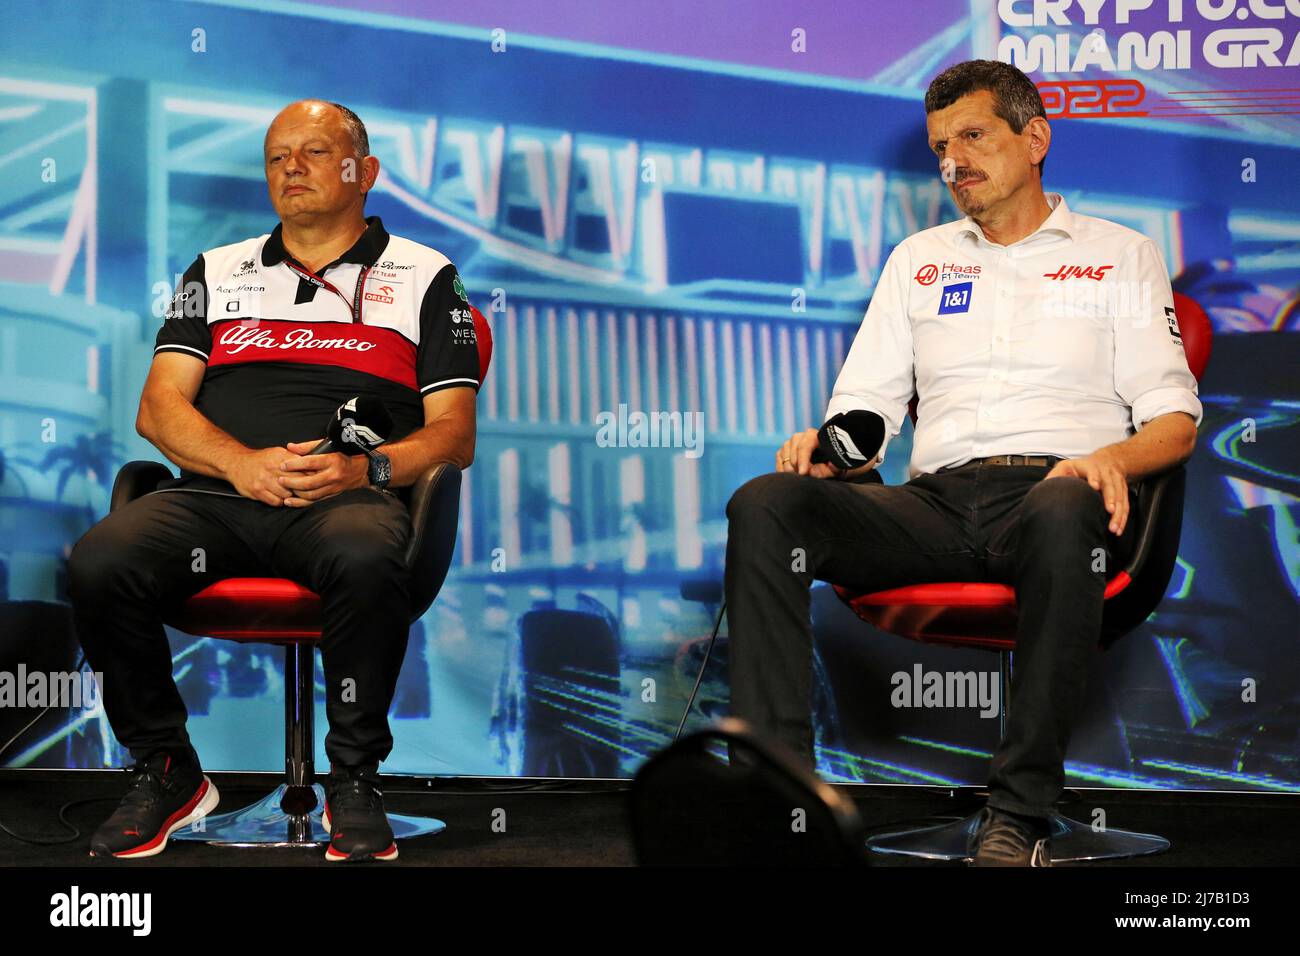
x,y
927,274
383,294
1078,272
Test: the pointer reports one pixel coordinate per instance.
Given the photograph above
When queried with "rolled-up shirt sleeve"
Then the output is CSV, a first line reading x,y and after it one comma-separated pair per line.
x,y
877,375
1151,373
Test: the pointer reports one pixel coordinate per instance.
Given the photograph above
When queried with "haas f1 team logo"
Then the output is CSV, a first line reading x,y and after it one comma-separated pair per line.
x,y
929,273
1078,272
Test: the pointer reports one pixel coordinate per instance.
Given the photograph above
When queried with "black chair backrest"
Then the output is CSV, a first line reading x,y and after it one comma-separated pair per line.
x,y
1159,512
434,519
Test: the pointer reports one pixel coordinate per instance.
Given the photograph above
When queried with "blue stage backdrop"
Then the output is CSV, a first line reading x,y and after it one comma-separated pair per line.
x,y
673,216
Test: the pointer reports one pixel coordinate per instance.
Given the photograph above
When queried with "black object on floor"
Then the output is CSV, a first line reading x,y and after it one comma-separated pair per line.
x,y
763,808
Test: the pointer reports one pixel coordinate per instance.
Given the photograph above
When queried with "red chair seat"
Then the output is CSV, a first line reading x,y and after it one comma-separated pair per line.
x,y
980,614
966,614
252,609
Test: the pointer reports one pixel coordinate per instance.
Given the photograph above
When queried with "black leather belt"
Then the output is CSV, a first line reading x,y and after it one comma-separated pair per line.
x,y
1040,460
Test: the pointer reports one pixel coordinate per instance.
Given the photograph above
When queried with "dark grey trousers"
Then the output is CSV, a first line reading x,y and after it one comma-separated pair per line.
x,y
349,549
977,522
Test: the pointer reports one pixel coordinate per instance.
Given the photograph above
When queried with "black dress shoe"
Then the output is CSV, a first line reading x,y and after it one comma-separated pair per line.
x,y
1005,839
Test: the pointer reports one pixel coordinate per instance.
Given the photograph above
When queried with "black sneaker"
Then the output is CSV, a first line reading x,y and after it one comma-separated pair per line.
x,y
1005,839
165,794
354,816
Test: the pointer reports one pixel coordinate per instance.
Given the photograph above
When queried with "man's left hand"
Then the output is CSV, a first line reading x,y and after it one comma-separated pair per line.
x,y
1105,472
313,477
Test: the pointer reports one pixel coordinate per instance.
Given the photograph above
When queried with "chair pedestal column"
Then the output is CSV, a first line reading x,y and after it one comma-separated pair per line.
x,y
291,814
300,797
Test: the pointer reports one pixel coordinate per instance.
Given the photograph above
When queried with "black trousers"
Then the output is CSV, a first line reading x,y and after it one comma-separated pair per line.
x,y
348,548
977,522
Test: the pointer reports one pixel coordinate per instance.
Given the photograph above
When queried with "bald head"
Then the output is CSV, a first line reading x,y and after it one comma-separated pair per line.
x,y
317,161
318,111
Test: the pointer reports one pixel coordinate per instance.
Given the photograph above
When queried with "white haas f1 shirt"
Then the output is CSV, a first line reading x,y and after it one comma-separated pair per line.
x,y
285,347
1058,344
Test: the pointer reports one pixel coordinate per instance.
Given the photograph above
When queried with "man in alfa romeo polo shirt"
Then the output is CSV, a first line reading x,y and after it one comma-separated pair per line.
x,y
264,340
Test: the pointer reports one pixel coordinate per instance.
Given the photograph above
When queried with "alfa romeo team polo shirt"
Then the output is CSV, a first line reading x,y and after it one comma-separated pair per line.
x,y
1058,344
285,347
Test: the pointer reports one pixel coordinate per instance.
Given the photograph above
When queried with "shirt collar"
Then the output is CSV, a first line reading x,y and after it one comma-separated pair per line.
x,y
365,251
1060,219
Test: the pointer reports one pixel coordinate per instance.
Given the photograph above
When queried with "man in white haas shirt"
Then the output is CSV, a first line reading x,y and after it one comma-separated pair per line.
x,y
265,339
1050,376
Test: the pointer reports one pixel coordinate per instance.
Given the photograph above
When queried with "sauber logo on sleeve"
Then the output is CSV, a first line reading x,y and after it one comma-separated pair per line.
x,y
1078,272
459,288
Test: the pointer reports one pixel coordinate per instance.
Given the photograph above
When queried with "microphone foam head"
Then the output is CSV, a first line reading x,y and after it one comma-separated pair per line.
x,y
846,452
361,422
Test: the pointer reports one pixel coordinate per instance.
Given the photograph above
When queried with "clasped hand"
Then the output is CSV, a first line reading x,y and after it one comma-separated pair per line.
x,y
292,477
310,478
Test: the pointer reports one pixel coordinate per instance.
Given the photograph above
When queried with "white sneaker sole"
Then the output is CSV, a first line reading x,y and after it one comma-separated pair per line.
x,y
205,802
335,857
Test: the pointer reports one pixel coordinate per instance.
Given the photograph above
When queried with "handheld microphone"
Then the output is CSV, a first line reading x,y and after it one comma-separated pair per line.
x,y
358,425
850,439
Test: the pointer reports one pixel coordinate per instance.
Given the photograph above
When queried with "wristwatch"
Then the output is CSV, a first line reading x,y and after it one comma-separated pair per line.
x,y
380,470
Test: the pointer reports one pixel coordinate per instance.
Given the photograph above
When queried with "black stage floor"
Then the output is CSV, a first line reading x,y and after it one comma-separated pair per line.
x,y
582,823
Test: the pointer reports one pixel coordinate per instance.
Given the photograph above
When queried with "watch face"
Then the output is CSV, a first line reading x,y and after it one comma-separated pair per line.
x,y
381,470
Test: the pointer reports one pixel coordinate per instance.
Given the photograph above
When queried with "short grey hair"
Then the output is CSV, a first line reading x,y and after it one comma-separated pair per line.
x,y
356,131
1015,98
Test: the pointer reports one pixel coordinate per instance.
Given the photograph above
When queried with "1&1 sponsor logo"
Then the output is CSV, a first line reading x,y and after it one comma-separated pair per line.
x,y
955,298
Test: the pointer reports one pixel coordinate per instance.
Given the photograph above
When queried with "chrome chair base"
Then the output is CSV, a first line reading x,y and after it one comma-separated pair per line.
x,y
288,817
1071,841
